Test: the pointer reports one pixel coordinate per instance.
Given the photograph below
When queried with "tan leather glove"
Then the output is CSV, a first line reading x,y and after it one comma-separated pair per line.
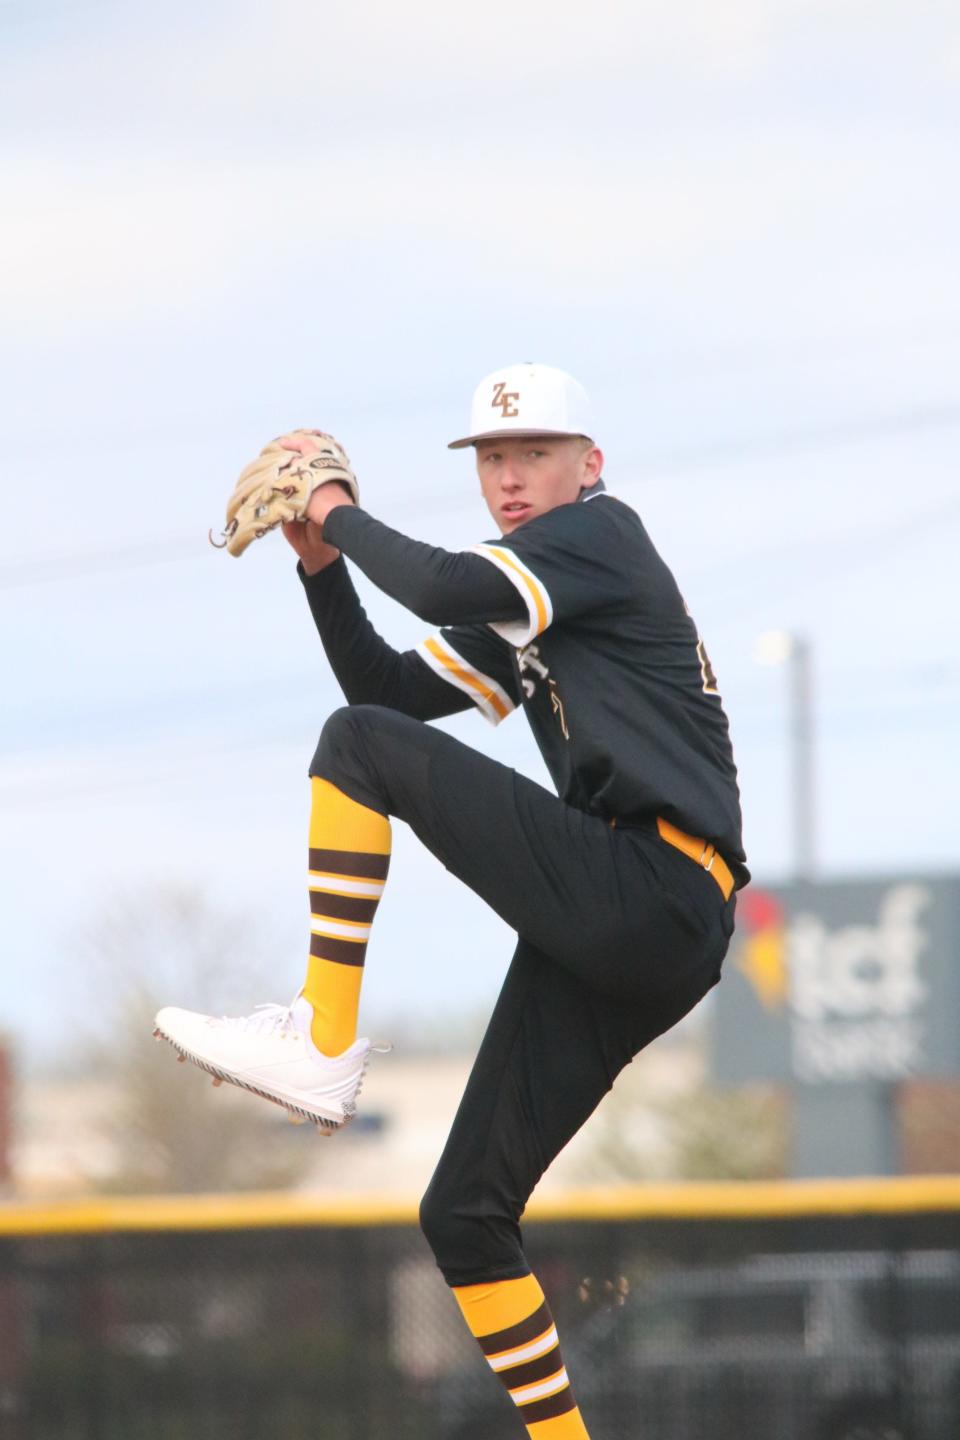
x,y
277,486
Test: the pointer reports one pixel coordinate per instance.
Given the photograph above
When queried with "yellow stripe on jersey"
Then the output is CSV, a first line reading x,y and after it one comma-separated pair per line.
x,y
534,593
493,701
453,662
538,595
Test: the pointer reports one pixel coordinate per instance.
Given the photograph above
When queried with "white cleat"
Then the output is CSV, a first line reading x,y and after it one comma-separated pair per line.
x,y
271,1054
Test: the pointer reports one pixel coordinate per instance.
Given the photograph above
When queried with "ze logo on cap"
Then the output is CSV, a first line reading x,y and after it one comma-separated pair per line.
x,y
505,401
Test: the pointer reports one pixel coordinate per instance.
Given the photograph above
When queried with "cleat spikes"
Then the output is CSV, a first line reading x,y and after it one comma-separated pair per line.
x,y
331,1109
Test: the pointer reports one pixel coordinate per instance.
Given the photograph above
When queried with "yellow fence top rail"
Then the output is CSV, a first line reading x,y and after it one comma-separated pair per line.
x,y
726,1200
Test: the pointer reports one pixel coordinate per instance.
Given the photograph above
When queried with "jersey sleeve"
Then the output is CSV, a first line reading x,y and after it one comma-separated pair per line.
x,y
475,661
369,671
443,587
565,564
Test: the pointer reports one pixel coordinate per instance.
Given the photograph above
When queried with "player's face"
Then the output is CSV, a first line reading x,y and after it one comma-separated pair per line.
x,y
525,477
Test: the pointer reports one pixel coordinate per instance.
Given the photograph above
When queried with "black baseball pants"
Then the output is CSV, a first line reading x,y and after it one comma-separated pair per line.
x,y
619,935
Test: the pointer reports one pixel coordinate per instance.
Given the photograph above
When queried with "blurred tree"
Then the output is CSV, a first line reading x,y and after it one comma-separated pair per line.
x,y
168,1129
6,1114
737,1134
693,1133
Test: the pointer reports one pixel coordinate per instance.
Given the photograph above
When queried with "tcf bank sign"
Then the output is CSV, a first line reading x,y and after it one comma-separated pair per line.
x,y
842,982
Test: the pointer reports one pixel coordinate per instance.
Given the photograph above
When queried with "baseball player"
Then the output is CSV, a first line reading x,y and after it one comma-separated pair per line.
x,y
621,887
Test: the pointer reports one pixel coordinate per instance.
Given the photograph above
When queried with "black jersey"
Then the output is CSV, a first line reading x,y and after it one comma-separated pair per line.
x,y
610,669
577,618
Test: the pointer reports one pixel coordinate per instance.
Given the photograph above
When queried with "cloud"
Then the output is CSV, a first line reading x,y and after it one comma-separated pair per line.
x,y
115,245
127,68
237,75
171,170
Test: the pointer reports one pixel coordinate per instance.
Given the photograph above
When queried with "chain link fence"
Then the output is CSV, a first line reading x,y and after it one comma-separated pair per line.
x,y
738,1326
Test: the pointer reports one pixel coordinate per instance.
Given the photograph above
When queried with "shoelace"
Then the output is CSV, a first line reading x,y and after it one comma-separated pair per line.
x,y
265,1019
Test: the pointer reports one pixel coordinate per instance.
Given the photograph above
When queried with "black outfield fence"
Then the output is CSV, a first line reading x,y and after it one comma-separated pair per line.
x,y
812,1311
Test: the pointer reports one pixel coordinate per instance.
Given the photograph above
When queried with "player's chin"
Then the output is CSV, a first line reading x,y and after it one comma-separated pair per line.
x,y
513,519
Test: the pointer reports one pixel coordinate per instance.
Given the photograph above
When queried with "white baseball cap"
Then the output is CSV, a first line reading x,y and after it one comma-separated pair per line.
x,y
527,400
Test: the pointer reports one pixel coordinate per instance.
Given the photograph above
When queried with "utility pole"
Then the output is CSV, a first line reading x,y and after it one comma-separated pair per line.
x,y
802,758
783,647
839,1127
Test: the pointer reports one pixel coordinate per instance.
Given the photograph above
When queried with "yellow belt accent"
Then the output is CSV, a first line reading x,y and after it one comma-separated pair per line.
x,y
705,854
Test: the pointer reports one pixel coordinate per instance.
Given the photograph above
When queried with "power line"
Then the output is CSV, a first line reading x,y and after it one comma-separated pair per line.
x,y
839,435
837,556
186,426
110,560
837,716
908,682
87,564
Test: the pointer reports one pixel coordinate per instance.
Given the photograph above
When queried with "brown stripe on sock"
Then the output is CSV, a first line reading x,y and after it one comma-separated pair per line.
x,y
351,862
532,1370
548,1409
343,907
515,1335
341,952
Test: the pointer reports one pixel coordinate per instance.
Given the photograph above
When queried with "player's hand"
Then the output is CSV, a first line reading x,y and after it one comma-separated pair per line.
x,y
300,441
307,539
326,497
276,488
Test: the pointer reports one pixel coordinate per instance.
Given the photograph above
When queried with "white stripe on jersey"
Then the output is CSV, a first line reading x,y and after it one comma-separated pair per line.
x,y
491,699
532,591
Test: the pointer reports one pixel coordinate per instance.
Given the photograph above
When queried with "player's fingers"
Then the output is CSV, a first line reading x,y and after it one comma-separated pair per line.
x,y
302,444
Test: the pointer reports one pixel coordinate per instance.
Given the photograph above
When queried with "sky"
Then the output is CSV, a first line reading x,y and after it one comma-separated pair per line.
x,y
737,225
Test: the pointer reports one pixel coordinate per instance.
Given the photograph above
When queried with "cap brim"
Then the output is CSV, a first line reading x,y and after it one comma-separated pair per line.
x,y
511,435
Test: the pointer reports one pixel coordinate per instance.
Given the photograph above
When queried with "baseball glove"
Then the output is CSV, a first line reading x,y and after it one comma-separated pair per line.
x,y
276,487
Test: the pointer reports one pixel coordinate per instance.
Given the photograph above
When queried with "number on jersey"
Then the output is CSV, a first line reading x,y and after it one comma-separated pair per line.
x,y
706,670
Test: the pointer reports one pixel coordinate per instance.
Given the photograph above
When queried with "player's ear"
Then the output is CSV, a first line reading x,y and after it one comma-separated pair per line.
x,y
592,464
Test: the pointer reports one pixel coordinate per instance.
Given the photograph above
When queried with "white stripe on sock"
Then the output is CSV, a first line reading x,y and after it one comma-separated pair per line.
x,y
537,1392
506,1358
336,929
344,885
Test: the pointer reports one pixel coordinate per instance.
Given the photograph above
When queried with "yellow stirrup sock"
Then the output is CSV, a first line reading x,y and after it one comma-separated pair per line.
x,y
512,1323
349,859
